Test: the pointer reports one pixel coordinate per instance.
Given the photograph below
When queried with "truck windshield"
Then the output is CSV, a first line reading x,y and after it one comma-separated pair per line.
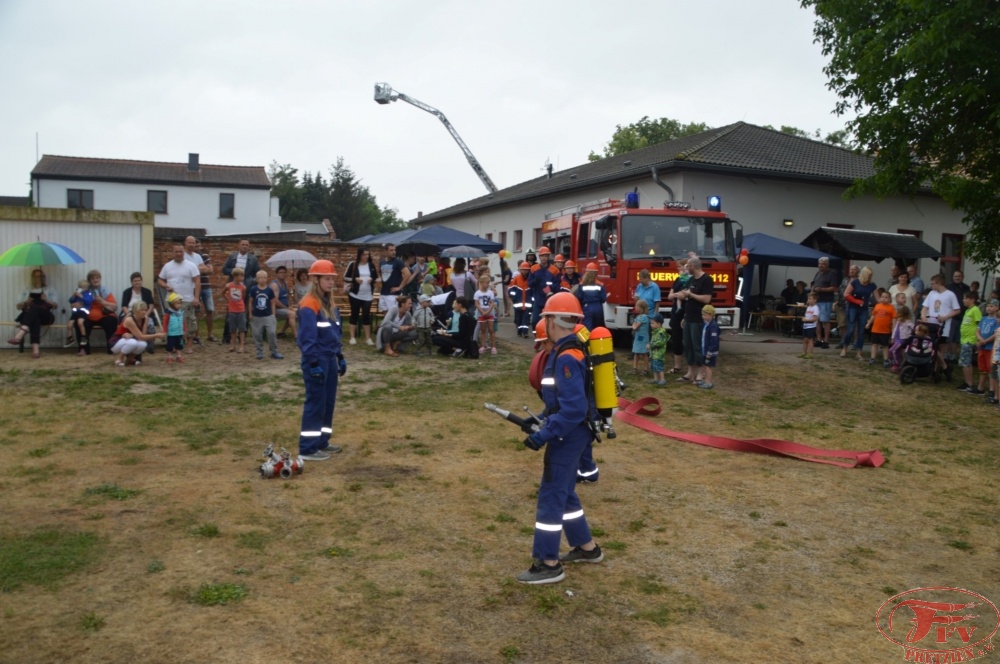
x,y
648,236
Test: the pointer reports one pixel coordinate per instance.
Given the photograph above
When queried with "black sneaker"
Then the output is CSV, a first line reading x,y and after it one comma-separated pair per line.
x,y
578,555
458,353
540,573
991,401
974,391
962,387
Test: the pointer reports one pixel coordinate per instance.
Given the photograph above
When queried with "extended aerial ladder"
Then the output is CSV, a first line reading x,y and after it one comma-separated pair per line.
x,y
385,94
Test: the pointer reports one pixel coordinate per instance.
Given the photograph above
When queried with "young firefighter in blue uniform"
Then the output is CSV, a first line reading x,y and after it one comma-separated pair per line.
x,y
322,362
542,283
592,296
565,435
520,297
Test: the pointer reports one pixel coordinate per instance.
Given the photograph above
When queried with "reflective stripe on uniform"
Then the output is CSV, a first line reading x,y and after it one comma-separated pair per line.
x,y
326,430
590,288
549,380
587,474
549,527
573,515
323,323
310,434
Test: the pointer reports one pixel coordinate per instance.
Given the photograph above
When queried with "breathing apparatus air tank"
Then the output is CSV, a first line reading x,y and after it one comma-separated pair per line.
x,y
602,357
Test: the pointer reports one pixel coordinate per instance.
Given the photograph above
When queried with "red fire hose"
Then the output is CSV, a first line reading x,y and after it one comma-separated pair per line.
x,y
636,414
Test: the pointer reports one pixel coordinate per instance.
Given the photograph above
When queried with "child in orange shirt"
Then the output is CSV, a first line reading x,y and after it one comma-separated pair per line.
x,y
880,324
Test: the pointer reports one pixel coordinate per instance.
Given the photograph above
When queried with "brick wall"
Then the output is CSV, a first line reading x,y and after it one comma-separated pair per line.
x,y
340,253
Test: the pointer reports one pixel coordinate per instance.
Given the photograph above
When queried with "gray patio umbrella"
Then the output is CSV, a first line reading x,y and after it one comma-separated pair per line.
x,y
462,251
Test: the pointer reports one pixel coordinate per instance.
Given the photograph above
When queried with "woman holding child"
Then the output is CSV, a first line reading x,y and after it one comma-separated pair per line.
x,y
858,297
36,305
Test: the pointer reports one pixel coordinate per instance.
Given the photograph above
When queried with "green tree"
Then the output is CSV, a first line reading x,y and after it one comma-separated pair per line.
x,y
923,80
644,133
286,188
353,210
389,221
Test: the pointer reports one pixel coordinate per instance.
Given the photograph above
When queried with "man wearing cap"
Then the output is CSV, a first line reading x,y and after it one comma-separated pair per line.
x,y
824,285
543,282
520,299
565,434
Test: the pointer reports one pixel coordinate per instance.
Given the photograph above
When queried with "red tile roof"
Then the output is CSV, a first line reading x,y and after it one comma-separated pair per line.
x,y
53,167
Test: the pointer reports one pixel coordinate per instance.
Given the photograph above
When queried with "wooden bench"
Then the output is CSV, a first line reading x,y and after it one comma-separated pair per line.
x,y
25,339
44,332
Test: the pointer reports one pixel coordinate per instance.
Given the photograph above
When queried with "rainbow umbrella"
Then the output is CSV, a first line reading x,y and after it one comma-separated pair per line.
x,y
39,253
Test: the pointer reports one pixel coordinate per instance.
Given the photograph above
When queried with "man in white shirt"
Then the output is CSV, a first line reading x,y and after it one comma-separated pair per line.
x,y
939,308
181,276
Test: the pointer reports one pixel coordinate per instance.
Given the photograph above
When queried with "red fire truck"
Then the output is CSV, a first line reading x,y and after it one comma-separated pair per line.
x,y
623,238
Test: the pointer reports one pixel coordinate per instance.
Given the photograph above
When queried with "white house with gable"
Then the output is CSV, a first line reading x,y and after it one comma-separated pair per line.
x,y
221,199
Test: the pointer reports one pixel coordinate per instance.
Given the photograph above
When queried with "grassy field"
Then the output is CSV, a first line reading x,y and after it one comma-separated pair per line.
x,y
136,527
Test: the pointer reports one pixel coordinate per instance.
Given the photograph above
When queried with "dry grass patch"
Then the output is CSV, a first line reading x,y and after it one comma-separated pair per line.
x,y
403,548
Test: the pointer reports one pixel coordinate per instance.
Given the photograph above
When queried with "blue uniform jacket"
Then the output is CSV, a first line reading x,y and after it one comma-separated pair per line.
x,y
564,392
710,339
541,279
592,297
319,336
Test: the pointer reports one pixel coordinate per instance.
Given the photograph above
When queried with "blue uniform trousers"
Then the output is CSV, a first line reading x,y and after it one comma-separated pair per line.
x,y
317,413
559,507
587,470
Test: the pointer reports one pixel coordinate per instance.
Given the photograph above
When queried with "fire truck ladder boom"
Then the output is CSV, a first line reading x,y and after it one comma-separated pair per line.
x,y
385,94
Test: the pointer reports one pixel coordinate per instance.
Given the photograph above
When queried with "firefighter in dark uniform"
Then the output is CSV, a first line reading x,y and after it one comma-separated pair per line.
x,y
592,296
570,278
521,300
566,433
543,283
322,362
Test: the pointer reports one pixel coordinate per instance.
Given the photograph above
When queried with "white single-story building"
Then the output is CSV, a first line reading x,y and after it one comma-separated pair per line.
x,y
773,183
220,199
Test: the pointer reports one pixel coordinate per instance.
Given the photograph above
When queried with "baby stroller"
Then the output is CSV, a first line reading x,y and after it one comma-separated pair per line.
x,y
441,305
919,361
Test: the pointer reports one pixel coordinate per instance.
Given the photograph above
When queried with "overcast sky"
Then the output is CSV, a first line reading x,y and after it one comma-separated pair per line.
x,y
247,83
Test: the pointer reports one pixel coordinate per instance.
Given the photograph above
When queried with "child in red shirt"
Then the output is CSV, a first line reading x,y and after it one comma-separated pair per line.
x,y
235,294
880,324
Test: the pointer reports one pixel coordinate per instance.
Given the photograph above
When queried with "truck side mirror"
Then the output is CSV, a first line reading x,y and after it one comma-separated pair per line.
x,y
608,242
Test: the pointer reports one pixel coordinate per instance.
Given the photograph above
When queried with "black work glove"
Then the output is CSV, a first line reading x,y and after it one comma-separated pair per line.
x,y
534,442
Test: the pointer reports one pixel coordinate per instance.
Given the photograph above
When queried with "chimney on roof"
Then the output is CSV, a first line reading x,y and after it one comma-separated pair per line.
x,y
548,168
193,162
420,213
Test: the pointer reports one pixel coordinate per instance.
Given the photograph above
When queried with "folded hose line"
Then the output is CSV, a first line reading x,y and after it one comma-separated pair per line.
x,y
637,412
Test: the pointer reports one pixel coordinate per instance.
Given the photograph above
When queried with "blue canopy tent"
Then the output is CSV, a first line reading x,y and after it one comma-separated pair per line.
x,y
765,251
442,236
